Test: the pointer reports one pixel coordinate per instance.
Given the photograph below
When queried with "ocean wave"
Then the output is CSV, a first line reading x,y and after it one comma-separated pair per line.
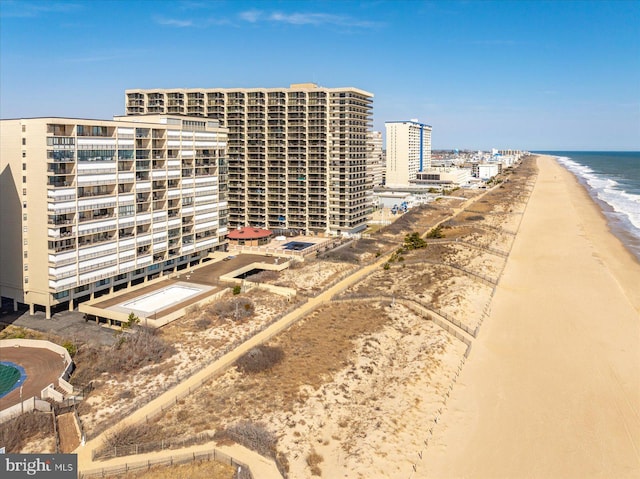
x,y
608,190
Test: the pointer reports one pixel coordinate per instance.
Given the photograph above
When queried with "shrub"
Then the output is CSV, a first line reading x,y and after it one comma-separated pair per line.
x,y
136,349
237,289
236,309
386,266
71,347
16,433
435,233
255,436
313,461
414,241
258,359
202,323
130,435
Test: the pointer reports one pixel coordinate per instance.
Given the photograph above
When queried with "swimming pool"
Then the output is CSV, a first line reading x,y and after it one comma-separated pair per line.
x,y
11,376
297,245
162,298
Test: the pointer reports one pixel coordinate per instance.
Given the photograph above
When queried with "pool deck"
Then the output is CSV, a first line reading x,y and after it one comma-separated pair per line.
x,y
206,275
277,247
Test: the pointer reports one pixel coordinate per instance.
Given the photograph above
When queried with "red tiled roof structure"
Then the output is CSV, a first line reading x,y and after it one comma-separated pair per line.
x,y
249,233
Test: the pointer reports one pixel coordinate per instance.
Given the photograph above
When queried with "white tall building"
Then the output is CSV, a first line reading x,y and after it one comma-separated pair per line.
x,y
92,206
408,151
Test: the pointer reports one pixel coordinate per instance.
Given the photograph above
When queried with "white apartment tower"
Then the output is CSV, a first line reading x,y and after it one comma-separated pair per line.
x,y
408,151
297,156
92,206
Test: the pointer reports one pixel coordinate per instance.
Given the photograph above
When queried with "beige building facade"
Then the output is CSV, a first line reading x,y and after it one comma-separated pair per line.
x,y
408,151
91,206
443,176
298,156
376,158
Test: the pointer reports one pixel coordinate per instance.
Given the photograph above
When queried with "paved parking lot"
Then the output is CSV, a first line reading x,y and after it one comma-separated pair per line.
x,y
66,324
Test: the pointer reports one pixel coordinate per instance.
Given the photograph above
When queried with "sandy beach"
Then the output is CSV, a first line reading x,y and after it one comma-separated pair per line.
x,y
552,387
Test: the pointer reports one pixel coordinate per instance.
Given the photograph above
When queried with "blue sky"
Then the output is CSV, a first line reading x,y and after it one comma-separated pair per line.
x,y
532,75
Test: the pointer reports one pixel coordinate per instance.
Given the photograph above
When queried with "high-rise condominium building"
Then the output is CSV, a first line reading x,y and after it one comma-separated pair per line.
x,y
89,206
376,158
408,151
297,156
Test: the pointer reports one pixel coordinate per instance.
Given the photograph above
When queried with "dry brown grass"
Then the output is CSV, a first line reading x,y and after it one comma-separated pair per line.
x,y
195,470
133,434
17,432
17,332
259,359
314,349
134,350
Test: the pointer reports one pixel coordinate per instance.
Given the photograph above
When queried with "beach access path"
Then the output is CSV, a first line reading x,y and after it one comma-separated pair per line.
x,y
552,386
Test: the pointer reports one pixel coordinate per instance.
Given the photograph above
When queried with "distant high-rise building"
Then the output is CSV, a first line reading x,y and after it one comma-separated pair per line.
x,y
376,160
408,151
89,206
297,156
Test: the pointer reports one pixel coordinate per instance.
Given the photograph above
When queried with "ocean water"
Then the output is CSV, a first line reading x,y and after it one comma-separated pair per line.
x,y
613,181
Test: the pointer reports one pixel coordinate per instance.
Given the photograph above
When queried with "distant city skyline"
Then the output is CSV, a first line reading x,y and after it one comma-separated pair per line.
x,y
543,75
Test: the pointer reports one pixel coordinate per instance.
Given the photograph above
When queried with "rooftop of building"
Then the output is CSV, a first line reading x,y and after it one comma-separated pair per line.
x,y
249,232
413,122
291,87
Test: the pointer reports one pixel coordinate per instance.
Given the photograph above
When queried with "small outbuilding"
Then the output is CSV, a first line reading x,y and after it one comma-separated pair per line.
x,y
249,236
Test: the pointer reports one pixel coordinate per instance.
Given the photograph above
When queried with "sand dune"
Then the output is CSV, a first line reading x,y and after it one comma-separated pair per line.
x,y
552,387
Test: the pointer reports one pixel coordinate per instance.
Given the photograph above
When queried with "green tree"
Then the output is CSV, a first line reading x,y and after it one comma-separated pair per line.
x,y
414,241
435,233
132,321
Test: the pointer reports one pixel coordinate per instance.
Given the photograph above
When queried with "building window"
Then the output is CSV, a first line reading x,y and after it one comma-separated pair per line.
x,y
61,294
26,279
24,217
24,192
26,267
24,179
24,155
25,242
24,141
24,229
24,204
25,254
24,167
24,128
